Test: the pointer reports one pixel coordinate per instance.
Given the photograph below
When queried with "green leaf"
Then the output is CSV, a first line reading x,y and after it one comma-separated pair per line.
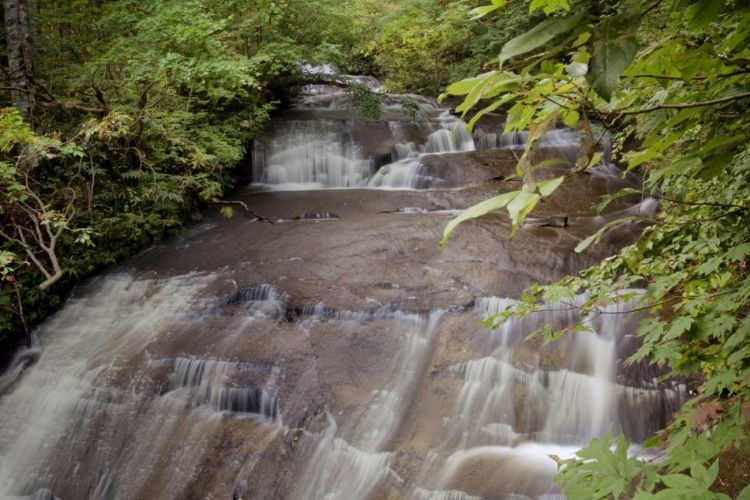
x,y
492,107
546,188
463,87
539,35
570,118
485,86
682,481
715,165
480,12
679,325
704,12
744,494
652,442
477,210
614,48
681,166
739,253
520,207
722,143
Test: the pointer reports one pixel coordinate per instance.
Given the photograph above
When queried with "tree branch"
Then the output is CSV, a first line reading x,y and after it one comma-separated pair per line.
x,y
71,106
679,78
686,105
243,205
702,203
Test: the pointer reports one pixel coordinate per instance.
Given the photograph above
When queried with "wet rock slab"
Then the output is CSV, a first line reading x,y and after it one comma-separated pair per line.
x,y
363,335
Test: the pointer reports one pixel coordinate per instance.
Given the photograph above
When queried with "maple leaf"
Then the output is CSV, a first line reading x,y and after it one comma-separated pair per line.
x,y
707,413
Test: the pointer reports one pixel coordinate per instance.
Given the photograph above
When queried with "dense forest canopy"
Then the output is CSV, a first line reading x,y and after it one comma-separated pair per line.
x,y
128,116
122,119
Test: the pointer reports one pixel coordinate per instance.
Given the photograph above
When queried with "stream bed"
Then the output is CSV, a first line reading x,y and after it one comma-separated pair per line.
x,y
337,354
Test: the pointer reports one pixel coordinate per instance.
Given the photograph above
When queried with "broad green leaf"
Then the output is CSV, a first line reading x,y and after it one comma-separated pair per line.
x,y
477,210
480,12
483,88
679,326
739,253
684,115
744,494
520,206
595,159
492,107
714,165
722,142
463,87
652,442
679,167
570,118
704,12
614,48
539,35
546,188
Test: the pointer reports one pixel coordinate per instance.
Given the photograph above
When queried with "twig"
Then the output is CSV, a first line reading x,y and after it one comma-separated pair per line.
x,y
71,106
679,78
243,205
19,301
702,203
686,105
651,7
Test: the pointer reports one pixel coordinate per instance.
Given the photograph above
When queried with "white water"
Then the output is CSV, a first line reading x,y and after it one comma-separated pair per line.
x,y
144,389
514,413
318,157
322,153
355,467
102,398
91,385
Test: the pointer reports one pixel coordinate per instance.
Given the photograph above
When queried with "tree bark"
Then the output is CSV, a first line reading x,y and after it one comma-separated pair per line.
x,y
20,67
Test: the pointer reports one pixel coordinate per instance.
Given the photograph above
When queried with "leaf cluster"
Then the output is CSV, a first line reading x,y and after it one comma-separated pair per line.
x,y
673,78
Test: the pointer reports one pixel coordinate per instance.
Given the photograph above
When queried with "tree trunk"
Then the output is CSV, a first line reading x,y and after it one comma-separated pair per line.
x,y
20,68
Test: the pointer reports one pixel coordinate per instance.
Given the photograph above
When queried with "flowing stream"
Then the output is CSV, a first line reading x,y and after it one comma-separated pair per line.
x,y
338,354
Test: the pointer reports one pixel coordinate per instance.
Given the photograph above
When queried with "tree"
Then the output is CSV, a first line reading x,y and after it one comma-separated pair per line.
x,y
133,118
674,76
20,68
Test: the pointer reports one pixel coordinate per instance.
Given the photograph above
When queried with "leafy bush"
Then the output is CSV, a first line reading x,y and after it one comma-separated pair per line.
x,y
675,76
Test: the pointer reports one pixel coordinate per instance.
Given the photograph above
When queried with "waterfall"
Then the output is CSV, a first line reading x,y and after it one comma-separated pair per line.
x,y
512,410
406,172
338,354
323,145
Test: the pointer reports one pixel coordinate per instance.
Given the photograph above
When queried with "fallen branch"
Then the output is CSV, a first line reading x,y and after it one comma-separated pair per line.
x,y
71,106
243,205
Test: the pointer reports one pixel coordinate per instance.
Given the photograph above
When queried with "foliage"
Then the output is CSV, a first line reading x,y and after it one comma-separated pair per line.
x,y
143,108
419,46
364,100
675,76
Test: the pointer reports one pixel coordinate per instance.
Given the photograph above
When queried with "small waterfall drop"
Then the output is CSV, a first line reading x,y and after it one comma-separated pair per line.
x,y
322,143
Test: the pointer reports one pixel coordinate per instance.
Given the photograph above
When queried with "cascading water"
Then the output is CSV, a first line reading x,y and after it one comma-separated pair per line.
x,y
322,150
339,355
